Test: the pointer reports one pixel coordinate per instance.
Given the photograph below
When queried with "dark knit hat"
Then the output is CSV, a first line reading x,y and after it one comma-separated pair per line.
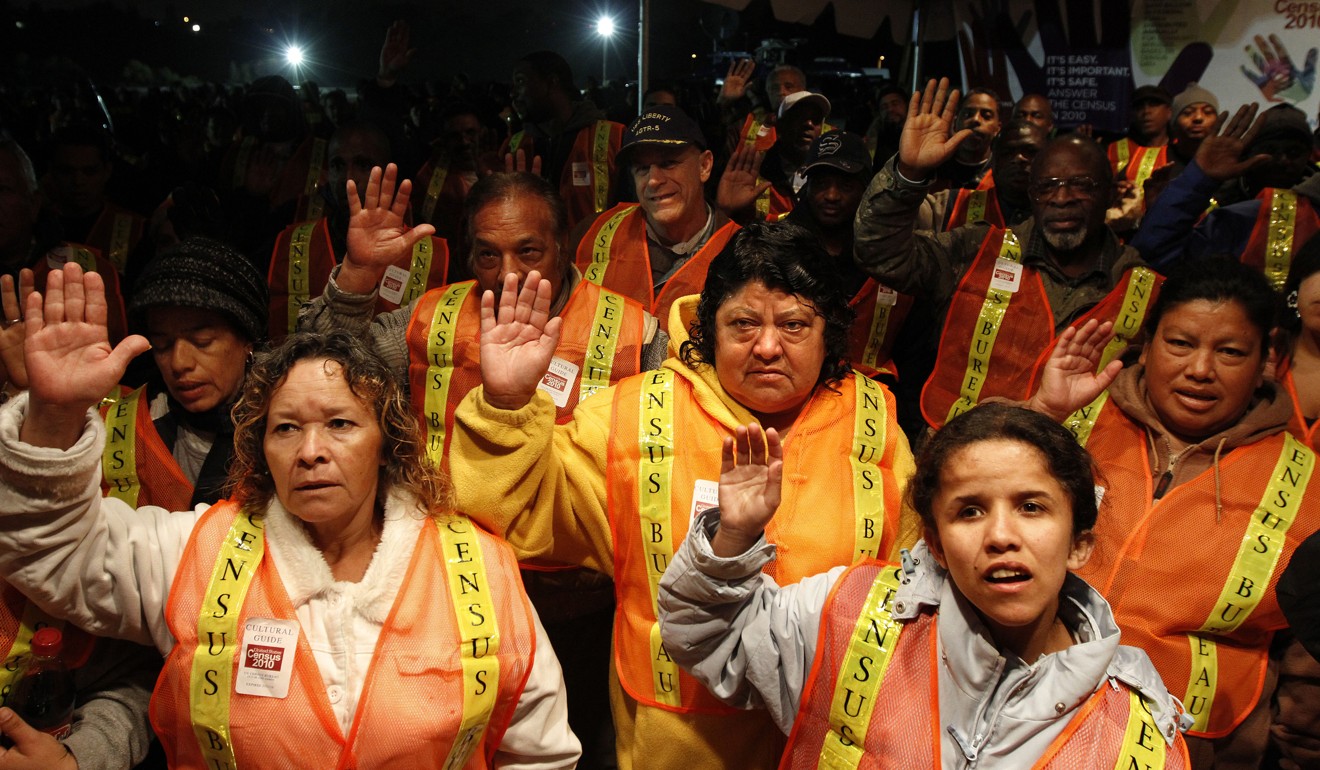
x,y
1284,121
206,274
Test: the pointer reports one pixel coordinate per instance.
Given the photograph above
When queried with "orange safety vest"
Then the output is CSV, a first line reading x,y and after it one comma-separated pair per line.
x,y
1012,332
1205,614
116,233
426,267
587,181
881,312
757,133
136,466
979,205
772,205
300,265
412,694
691,277
662,465
1135,162
865,657
19,620
89,257
1284,222
444,350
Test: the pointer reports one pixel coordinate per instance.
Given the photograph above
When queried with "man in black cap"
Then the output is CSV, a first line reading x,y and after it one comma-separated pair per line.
x,y
636,248
1145,148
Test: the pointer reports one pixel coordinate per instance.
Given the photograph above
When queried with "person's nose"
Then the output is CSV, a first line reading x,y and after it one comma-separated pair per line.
x,y
1201,364
768,346
1001,534
311,448
183,357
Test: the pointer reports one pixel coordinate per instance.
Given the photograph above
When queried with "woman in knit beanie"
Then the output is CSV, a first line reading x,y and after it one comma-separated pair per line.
x,y
202,305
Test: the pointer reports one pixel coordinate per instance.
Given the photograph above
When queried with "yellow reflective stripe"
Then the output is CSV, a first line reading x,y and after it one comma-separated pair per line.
x,y
600,165
217,637
1143,745
314,167
1131,315
119,457
32,620
753,132
516,141
423,252
600,248
85,259
600,348
655,472
1263,542
1279,237
1199,699
121,231
299,264
975,207
440,366
763,201
1147,166
869,428
876,337
863,669
433,188
1123,155
983,336
474,613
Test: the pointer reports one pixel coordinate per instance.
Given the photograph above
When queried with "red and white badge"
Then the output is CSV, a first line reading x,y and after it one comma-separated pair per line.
x,y
705,495
1007,276
581,174
559,380
265,665
392,283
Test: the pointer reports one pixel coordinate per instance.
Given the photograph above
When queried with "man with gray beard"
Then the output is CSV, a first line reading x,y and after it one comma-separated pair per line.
x,y
1005,294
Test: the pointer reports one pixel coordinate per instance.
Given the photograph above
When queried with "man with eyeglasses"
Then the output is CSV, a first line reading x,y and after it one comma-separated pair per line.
x,y
1005,294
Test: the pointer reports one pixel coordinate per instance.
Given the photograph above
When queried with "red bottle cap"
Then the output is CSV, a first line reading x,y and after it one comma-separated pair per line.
x,y
47,642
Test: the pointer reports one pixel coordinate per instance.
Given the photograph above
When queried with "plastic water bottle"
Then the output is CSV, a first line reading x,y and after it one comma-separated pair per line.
x,y
43,695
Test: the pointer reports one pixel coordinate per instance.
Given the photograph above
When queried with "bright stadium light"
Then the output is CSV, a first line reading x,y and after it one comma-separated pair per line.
x,y
604,26
294,55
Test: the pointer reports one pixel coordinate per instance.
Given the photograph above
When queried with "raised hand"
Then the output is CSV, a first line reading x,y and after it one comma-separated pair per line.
x,y
751,476
396,52
70,363
12,332
518,162
377,233
736,80
1069,380
517,341
32,749
1278,78
741,184
1220,154
926,142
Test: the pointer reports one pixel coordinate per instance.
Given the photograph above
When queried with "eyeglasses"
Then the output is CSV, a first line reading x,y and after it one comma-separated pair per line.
x,y
1044,189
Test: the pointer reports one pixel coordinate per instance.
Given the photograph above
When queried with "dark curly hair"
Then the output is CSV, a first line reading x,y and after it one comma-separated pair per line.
x,y
406,464
782,256
1066,459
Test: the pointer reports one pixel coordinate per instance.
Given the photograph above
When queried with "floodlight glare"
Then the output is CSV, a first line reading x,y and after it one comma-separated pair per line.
x,y
197,28
604,26
294,55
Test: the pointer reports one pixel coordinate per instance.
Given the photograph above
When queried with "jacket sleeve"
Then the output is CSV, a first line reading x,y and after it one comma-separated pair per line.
x,y
538,737
110,726
99,563
888,247
540,485
1163,236
748,640
386,333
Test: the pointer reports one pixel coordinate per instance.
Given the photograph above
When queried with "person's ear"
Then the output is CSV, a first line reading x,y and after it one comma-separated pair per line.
x,y
707,165
1082,548
932,538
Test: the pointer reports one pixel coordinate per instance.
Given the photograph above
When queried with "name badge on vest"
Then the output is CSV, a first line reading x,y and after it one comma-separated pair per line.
x,y
1007,276
392,283
885,296
705,495
581,174
265,667
559,380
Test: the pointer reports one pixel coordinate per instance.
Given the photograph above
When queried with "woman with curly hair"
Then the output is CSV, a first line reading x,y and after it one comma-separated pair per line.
x,y
334,612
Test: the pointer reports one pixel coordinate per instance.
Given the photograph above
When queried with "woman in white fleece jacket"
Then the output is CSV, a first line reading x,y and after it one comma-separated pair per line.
x,y
332,612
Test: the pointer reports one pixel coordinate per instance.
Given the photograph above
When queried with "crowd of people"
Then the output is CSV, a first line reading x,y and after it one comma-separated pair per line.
x,y
733,427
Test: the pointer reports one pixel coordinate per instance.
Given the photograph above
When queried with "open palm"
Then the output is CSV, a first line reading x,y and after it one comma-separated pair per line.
x,y
518,339
751,479
926,141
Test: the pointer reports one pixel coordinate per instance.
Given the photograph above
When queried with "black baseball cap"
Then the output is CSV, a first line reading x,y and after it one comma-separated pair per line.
x,y
838,150
1151,94
663,125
